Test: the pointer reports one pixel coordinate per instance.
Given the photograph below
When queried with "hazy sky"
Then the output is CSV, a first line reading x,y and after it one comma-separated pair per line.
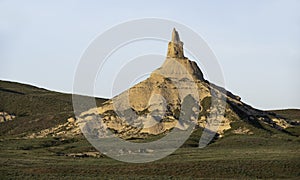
x,y
257,42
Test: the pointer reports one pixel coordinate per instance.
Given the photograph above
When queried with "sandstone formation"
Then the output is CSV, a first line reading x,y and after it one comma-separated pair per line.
x,y
154,106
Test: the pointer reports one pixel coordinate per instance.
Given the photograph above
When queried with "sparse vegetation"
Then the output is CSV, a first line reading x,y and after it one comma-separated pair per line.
x,y
205,105
238,156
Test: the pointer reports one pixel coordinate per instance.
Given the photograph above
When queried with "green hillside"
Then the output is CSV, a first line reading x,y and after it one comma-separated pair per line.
x,y
35,108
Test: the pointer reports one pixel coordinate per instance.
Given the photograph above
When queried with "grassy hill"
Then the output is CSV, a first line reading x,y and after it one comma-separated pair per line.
x,y
35,108
267,153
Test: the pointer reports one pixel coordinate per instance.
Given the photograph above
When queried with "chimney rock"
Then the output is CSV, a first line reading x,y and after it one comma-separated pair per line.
x,y
175,47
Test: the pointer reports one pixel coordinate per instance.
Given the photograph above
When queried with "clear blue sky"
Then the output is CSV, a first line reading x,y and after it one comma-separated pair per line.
x,y
257,42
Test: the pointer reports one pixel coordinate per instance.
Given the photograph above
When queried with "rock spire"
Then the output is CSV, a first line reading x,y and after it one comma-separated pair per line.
x,y
175,47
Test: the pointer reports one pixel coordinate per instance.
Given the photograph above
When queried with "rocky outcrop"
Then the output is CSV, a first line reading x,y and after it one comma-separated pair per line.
x,y
242,130
4,116
68,129
154,106
94,154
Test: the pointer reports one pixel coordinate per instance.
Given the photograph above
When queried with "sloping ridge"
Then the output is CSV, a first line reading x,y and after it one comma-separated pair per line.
x,y
26,109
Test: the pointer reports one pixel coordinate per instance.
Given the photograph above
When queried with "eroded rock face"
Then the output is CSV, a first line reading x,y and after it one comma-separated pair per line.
x,y
154,106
